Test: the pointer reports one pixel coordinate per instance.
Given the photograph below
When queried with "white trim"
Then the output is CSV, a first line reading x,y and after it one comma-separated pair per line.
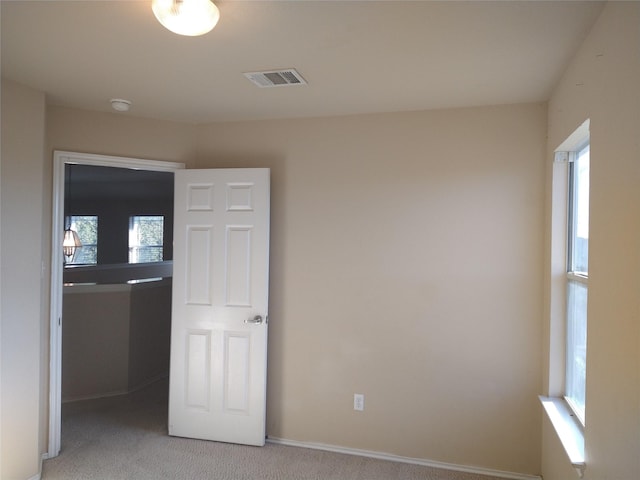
x,y
557,280
561,156
60,158
117,393
396,458
576,139
38,475
118,162
96,396
578,277
568,429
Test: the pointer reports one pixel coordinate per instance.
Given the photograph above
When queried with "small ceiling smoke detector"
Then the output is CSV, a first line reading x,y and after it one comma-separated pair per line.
x,y
120,105
276,78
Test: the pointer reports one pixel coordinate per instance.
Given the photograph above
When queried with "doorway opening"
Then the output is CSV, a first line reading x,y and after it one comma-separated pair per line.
x,y
85,163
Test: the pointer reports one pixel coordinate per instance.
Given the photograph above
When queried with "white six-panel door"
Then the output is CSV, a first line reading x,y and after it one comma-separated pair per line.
x,y
220,305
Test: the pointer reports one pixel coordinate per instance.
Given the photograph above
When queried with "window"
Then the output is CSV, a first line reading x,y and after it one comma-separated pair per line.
x,y
577,280
86,226
146,238
564,399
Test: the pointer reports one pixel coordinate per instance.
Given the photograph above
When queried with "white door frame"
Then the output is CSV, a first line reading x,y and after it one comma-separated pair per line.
x,y
60,159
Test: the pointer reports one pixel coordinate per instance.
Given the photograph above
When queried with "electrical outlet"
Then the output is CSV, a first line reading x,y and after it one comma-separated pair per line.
x,y
358,402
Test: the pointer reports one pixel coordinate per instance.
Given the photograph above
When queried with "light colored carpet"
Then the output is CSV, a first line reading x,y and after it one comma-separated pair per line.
x,y
126,437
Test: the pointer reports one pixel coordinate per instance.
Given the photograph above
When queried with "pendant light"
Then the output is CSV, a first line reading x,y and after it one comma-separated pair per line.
x,y
70,242
186,17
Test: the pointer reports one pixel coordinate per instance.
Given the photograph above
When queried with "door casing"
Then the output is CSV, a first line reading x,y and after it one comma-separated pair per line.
x,y
60,159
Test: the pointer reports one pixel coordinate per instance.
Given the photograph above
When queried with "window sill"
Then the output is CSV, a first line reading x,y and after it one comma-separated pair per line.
x,y
568,429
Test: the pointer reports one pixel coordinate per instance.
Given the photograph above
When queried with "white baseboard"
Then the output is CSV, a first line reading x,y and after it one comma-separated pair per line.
x,y
115,393
94,396
397,458
38,475
150,381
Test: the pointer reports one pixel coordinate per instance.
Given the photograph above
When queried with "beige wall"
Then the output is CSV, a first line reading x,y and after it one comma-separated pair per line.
x,y
603,83
115,338
150,332
121,135
407,258
23,131
406,265
95,339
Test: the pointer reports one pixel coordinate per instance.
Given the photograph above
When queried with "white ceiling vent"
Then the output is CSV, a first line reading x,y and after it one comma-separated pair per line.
x,y
276,78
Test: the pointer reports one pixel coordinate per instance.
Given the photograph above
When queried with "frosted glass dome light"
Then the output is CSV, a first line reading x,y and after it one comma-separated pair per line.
x,y
186,17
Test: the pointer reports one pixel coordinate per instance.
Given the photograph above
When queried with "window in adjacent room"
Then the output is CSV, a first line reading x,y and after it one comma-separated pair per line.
x,y
146,238
86,226
577,280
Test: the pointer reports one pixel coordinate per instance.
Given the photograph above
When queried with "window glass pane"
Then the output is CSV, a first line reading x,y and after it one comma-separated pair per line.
x,y
577,279
579,244
86,226
146,235
576,346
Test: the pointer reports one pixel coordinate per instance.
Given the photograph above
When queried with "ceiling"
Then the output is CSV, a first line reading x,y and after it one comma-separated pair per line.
x,y
357,56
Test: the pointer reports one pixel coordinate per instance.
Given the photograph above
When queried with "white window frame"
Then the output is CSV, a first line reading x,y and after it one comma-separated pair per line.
x,y
70,220
574,276
569,429
134,246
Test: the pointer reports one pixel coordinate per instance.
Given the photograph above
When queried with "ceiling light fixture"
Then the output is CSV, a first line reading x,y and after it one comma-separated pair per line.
x,y
186,17
71,241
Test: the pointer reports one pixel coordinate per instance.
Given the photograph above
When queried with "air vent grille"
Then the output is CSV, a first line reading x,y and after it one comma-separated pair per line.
x,y
276,78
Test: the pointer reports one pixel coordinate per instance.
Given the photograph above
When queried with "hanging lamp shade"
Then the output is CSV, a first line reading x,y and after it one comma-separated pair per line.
x,y
186,17
70,242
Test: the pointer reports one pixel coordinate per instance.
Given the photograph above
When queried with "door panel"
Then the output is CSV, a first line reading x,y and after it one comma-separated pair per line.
x,y
220,294
199,268
238,266
198,381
